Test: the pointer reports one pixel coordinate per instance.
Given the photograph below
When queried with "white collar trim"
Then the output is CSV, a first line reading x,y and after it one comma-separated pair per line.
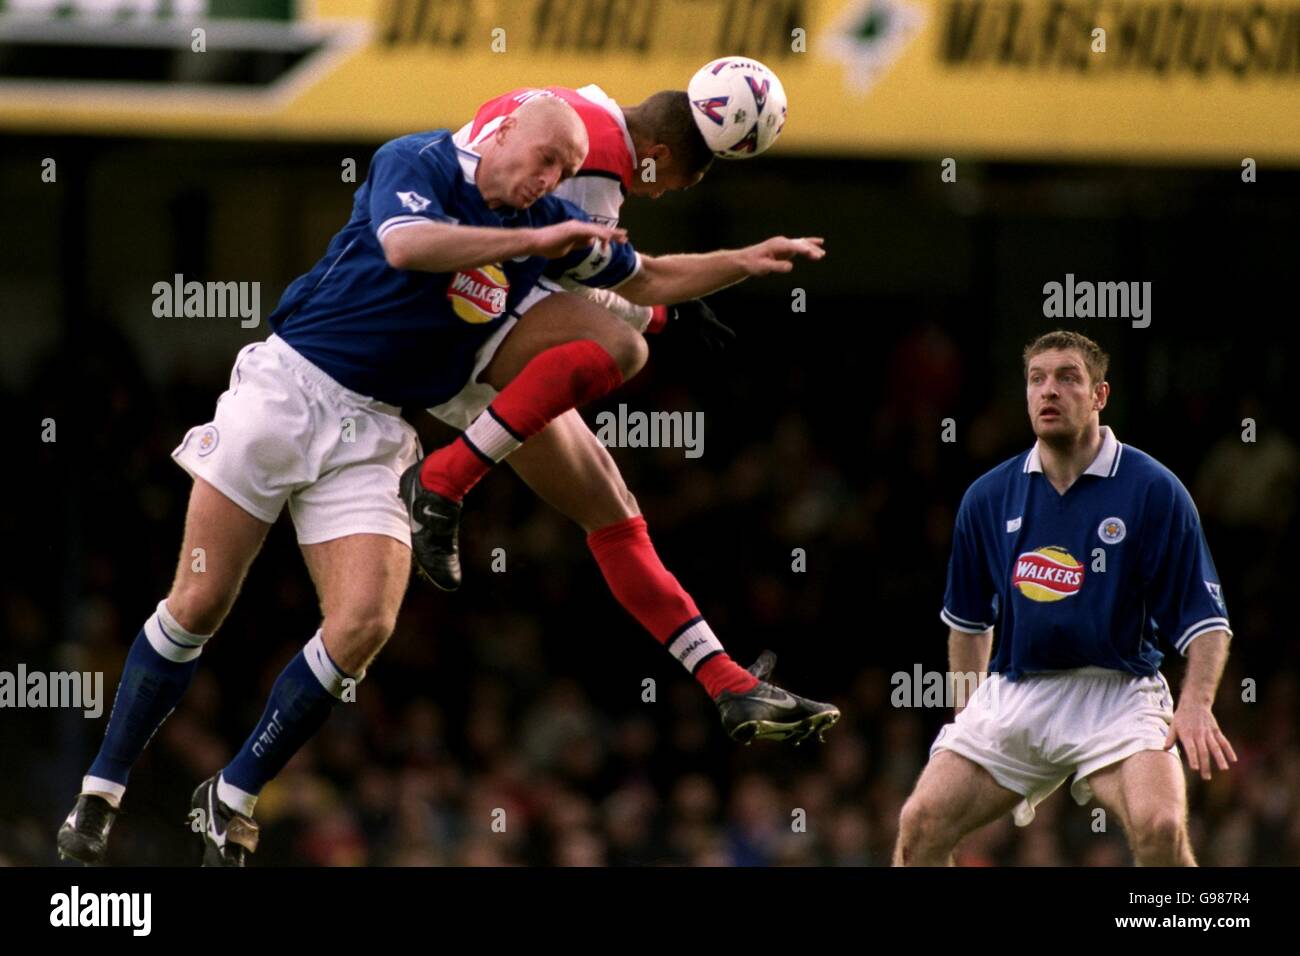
x,y
468,162
1105,465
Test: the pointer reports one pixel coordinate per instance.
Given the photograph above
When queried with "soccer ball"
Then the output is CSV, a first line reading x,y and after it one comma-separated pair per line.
x,y
738,105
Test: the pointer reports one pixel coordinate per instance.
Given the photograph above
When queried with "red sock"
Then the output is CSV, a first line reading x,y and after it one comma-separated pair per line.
x,y
652,595
553,382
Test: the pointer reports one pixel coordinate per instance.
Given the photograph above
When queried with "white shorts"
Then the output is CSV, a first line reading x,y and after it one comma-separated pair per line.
x,y
467,404
286,432
1032,734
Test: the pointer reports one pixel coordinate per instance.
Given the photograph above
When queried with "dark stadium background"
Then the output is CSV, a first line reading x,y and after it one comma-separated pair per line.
x,y
822,432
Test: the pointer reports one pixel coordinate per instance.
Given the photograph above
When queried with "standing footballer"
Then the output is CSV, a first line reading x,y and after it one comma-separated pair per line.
x,y
1084,553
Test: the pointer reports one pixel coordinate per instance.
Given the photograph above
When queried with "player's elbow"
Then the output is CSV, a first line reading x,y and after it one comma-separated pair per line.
x,y
396,252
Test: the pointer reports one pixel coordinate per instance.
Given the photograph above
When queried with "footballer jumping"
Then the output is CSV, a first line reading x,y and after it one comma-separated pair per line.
x,y
733,107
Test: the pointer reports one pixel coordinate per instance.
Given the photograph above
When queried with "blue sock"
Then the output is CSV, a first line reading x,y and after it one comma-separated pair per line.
x,y
158,669
301,700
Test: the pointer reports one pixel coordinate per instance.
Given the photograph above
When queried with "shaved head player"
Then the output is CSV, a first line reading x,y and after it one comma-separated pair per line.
x,y
1085,553
355,340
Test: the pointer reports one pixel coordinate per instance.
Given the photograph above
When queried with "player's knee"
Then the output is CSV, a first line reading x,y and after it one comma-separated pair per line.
x,y
199,606
919,822
1160,832
363,631
640,354
626,347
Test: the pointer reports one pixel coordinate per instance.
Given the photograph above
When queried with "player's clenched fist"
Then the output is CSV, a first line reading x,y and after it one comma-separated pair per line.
x,y
775,254
560,239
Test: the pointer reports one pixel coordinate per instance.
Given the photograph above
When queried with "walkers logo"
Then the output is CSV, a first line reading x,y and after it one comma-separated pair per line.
x,y
1048,574
479,295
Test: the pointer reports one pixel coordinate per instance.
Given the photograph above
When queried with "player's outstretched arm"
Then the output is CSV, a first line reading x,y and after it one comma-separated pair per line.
x,y
968,654
1194,725
447,247
682,277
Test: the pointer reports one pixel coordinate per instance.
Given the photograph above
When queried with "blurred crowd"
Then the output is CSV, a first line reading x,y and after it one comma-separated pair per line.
x,y
528,720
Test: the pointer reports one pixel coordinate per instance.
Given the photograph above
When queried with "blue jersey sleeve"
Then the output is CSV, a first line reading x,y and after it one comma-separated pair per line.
x,y
1182,589
603,265
408,186
969,602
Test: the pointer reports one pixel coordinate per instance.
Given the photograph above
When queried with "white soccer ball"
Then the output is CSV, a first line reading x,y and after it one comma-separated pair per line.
x,y
739,106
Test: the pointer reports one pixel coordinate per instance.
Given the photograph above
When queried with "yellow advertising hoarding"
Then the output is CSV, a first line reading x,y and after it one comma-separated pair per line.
x,y
1200,80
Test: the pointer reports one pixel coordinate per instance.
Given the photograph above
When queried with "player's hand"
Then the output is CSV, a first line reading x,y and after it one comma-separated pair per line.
x,y
558,240
1196,729
775,255
696,319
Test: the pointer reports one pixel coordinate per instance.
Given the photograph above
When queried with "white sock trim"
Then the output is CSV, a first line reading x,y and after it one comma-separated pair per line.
x,y
694,644
238,800
171,640
105,787
490,437
329,674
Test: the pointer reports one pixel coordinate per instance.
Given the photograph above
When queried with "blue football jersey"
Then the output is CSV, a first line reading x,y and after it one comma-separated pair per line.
x,y
407,337
1094,577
